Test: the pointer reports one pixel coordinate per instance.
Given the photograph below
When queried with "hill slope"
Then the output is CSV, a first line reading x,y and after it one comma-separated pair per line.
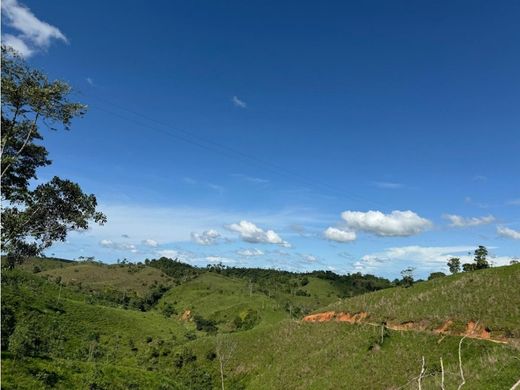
x,y
63,336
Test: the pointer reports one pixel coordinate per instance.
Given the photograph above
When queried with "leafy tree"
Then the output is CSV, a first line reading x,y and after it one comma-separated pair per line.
x,y
481,257
454,265
34,218
407,277
468,267
435,275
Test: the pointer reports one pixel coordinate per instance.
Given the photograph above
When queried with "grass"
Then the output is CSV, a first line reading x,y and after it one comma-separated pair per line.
x,y
99,277
489,296
100,346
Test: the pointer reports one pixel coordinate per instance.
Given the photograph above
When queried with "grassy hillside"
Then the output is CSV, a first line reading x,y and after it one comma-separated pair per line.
x,y
63,336
490,296
97,276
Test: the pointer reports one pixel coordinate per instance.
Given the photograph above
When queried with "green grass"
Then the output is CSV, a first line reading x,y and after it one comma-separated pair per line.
x,y
489,296
97,345
99,277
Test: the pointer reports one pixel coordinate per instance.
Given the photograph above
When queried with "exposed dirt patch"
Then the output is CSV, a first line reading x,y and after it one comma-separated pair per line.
x,y
351,318
339,317
186,316
473,329
320,317
444,328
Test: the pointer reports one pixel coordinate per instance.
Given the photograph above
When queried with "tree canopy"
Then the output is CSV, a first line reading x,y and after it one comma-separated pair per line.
x,y
33,217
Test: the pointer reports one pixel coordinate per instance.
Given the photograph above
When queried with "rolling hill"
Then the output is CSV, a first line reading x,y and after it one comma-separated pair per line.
x,y
62,334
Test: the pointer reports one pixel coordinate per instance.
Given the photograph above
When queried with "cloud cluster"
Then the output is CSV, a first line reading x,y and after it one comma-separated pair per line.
x,y
150,243
459,221
508,232
396,224
207,237
32,34
338,235
121,246
250,252
249,232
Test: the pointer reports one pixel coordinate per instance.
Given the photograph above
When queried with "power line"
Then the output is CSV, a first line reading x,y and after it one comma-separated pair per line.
x,y
213,146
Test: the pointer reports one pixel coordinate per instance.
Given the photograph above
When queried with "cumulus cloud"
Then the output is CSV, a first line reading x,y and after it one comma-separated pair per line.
x,y
151,243
459,221
32,34
508,232
250,252
249,232
238,102
397,223
339,235
118,246
422,257
207,237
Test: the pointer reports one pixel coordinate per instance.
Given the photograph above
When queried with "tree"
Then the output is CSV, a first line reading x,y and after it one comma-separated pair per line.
x,y
468,267
436,275
225,349
454,265
34,218
407,277
480,257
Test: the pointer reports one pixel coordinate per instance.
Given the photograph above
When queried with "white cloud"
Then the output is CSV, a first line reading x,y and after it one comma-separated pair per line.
x,y
118,246
151,243
33,33
508,232
397,223
238,103
250,252
17,44
513,202
219,259
459,221
423,258
339,235
251,179
207,237
309,258
170,253
387,185
249,232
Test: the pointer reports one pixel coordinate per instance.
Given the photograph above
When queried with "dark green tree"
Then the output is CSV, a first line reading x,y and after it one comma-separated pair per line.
x,y
407,277
454,265
468,267
481,257
35,217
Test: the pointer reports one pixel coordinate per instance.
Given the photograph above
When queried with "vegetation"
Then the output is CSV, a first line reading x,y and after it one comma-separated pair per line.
x,y
32,219
215,328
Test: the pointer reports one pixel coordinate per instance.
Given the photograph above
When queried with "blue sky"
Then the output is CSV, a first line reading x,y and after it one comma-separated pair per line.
x,y
352,136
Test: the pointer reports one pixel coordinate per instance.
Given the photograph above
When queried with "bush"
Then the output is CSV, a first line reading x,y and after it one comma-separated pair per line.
x,y
202,324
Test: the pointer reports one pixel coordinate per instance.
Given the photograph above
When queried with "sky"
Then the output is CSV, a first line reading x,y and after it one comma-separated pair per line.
x,y
349,136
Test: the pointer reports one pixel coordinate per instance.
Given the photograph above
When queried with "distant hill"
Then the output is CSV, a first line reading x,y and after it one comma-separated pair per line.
x,y
165,325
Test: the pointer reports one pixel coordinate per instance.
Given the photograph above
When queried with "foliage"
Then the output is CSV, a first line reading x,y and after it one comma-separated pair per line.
x,y
407,279
454,265
481,257
32,219
435,275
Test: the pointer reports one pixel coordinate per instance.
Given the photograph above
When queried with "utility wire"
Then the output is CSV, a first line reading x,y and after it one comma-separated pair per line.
x,y
214,146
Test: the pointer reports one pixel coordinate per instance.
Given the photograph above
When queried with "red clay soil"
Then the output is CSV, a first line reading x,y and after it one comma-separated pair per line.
x,y
473,329
339,317
444,327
